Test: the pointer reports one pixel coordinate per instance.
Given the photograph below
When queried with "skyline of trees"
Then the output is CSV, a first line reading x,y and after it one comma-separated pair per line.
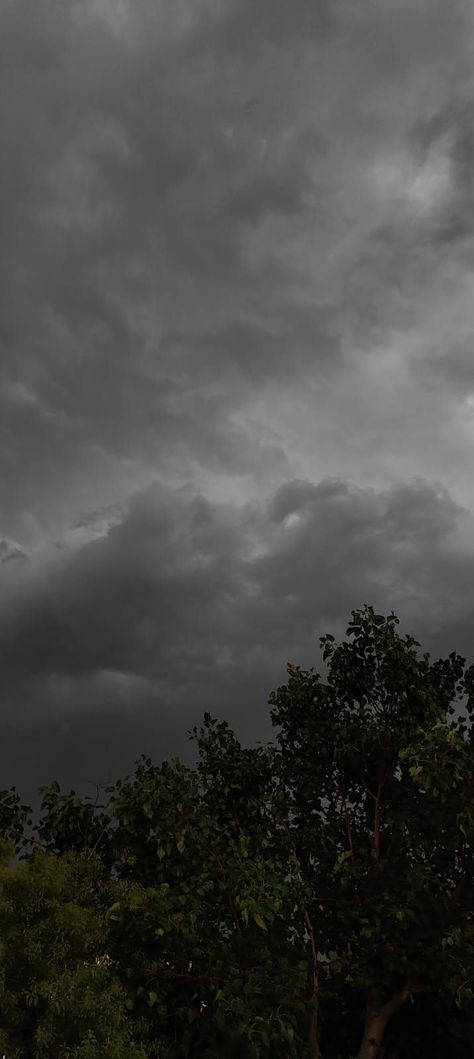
x,y
306,899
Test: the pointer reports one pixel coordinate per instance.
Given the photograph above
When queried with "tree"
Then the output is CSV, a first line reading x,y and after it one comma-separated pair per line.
x,y
334,864
376,781
58,999
307,899
200,926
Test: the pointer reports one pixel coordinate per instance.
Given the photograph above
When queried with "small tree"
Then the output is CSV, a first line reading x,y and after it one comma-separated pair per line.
x,y
58,999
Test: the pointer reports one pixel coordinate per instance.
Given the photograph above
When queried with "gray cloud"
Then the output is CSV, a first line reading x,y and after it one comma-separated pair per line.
x,y
187,605
236,244
10,551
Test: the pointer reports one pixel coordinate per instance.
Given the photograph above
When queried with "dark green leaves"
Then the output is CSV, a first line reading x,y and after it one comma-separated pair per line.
x,y
266,896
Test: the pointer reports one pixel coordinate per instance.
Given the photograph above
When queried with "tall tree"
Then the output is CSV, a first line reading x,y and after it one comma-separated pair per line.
x,y
376,782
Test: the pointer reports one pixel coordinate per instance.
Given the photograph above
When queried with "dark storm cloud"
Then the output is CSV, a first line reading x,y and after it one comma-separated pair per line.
x,y
189,605
202,173
236,249
123,199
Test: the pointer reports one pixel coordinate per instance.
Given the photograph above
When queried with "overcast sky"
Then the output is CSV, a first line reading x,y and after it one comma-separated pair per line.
x,y
237,363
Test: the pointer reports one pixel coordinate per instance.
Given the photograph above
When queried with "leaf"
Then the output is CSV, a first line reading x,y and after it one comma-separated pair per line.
x,y
342,859
259,921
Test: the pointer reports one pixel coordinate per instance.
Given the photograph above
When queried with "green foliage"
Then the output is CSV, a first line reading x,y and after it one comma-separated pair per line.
x,y
262,903
331,827
376,773
200,925
15,818
57,997
70,823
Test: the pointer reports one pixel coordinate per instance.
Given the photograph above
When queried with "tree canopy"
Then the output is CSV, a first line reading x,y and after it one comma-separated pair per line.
x,y
308,899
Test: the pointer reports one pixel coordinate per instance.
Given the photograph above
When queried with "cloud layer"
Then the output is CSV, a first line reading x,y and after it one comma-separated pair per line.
x,y
237,383
186,605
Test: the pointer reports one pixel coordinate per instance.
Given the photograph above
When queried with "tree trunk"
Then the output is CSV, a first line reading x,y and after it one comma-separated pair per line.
x,y
313,1035
376,1022
374,1030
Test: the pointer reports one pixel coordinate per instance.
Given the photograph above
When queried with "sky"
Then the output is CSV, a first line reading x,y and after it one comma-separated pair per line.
x,y
236,358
